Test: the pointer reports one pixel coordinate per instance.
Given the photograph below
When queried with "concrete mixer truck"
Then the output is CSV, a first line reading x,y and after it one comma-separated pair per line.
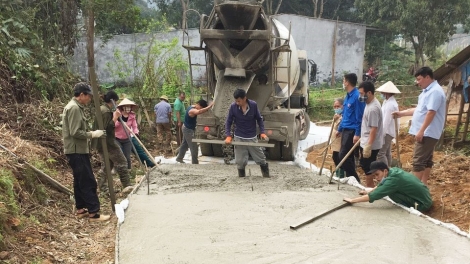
x,y
244,48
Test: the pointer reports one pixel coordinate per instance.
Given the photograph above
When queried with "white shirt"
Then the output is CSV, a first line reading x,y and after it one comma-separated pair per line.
x,y
388,107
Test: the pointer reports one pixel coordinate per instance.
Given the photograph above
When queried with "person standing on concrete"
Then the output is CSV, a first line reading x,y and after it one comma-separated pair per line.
x,y
389,106
163,116
402,187
371,128
116,156
350,126
245,114
75,137
189,128
336,141
178,116
427,123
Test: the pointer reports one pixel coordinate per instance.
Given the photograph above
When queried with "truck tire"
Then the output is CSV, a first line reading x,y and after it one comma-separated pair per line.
x,y
274,153
288,153
307,127
217,150
206,149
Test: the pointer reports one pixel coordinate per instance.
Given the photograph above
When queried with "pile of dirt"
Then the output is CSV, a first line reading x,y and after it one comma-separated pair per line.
x,y
449,182
44,228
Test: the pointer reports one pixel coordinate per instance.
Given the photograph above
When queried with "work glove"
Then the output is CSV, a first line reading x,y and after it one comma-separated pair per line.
x,y
264,137
98,134
367,151
228,140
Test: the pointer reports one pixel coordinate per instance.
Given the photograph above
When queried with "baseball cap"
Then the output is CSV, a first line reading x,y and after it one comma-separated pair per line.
x,y
82,87
376,165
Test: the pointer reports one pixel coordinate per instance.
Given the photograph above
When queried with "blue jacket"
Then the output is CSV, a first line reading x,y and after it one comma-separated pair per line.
x,y
245,124
353,110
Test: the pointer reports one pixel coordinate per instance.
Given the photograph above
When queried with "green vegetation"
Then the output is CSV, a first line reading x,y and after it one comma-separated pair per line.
x,y
321,103
8,204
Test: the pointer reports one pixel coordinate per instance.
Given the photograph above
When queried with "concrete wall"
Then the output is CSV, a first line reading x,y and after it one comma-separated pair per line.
x,y
316,36
313,35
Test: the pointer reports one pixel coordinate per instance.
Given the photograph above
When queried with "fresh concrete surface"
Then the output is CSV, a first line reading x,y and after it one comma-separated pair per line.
x,y
206,214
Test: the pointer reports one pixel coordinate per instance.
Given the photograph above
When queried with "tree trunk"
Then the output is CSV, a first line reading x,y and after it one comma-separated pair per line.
x,y
92,76
184,5
321,8
278,6
269,7
315,7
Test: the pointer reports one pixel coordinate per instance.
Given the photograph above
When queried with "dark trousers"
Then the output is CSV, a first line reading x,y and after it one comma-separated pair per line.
x,y
348,166
365,162
84,183
126,147
179,133
150,161
335,157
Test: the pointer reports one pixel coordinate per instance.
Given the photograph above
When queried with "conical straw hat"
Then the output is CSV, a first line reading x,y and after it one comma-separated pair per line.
x,y
126,101
388,87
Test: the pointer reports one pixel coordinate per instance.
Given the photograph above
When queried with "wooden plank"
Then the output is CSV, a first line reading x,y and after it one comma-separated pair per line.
x,y
222,142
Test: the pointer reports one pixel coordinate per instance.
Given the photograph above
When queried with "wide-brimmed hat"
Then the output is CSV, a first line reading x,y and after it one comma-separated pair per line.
x,y
126,101
164,97
388,87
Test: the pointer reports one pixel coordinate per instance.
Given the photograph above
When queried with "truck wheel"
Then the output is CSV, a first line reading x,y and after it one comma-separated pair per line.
x,y
274,153
217,150
307,128
288,153
206,149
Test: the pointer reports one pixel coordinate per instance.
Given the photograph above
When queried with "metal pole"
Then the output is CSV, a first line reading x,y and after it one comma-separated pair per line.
x,y
294,227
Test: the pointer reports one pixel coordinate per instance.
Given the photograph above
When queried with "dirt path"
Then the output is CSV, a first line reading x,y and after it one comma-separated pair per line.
x,y
206,214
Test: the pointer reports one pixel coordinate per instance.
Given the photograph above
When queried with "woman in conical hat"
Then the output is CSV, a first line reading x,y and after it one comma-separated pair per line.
x,y
128,109
389,106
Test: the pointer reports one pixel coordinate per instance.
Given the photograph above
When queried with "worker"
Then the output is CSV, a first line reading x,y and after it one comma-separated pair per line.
x,y
336,142
402,187
389,105
75,138
189,128
178,116
427,123
350,126
127,109
163,118
371,128
116,156
245,114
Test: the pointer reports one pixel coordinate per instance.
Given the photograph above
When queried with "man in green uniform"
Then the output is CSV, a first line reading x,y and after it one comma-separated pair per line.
x,y
402,187
178,116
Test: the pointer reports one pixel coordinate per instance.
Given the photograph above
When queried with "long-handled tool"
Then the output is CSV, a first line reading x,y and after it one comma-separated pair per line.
x,y
294,227
44,176
345,158
396,140
325,150
140,142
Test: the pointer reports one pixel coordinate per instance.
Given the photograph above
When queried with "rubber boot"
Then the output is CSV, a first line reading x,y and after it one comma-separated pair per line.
x,y
340,173
265,170
241,173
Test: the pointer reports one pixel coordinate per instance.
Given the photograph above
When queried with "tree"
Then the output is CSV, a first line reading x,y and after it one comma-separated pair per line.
x,y
424,23
269,7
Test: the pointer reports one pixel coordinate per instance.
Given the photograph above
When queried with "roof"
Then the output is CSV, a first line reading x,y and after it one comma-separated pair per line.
x,y
452,64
